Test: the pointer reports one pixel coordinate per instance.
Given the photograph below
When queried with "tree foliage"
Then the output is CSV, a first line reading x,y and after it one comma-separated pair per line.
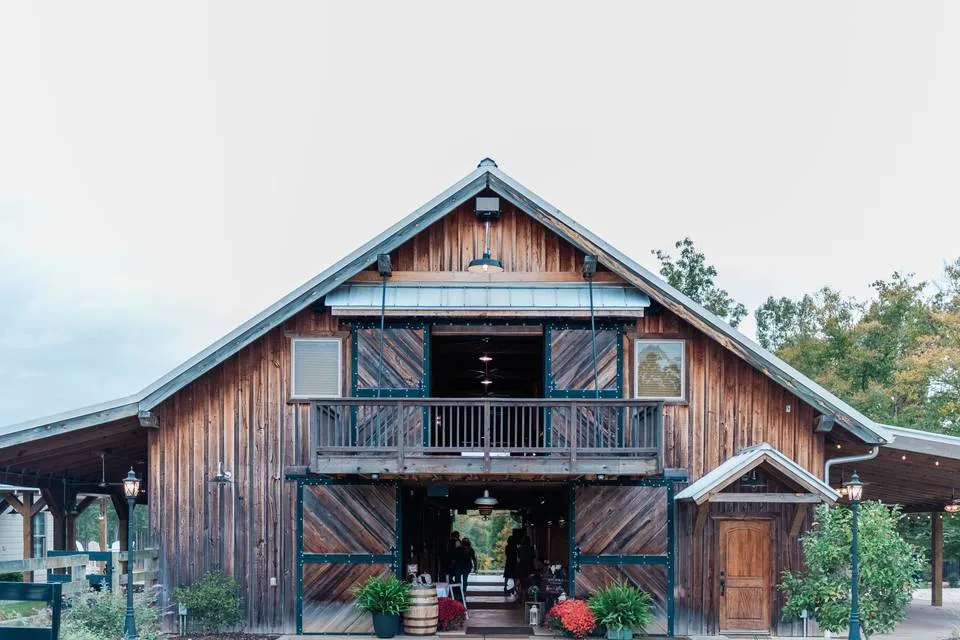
x,y
690,274
894,356
888,566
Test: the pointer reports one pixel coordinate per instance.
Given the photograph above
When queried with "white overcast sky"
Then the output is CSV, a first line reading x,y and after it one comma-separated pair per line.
x,y
169,169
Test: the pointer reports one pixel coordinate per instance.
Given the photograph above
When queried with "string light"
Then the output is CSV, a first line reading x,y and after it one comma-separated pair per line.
x,y
903,457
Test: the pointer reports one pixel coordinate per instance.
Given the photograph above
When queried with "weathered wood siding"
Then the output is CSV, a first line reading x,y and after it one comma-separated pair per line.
x,y
730,405
520,243
238,413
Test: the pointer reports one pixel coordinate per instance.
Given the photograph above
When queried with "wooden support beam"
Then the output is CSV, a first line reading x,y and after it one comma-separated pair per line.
x,y
799,517
26,511
701,519
58,511
84,503
936,559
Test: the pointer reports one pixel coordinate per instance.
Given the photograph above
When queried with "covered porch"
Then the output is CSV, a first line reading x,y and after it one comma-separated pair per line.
x,y
920,471
73,462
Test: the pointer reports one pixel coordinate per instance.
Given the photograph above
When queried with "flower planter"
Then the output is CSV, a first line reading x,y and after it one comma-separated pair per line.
x,y
619,633
386,625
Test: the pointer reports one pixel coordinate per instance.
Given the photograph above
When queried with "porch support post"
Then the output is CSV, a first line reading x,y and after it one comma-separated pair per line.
x,y
123,519
59,513
936,553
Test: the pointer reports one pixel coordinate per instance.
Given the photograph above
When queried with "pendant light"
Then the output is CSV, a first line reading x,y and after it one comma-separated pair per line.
x,y
487,210
954,505
485,504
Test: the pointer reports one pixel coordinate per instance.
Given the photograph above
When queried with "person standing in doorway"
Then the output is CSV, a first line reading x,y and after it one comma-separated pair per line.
x,y
525,565
450,560
510,566
467,562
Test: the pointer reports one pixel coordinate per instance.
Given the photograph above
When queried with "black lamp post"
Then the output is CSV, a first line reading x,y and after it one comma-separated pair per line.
x,y
131,488
855,493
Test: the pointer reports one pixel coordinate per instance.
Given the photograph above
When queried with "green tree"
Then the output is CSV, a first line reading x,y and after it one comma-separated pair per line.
x,y
888,566
690,274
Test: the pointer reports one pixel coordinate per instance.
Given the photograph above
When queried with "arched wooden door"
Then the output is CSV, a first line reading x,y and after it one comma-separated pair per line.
x,y
744,575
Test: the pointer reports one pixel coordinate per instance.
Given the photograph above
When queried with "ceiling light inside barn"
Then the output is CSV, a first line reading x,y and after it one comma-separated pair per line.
x,y
487,210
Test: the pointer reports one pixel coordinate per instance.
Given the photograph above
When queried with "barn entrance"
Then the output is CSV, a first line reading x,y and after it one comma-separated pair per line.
x,y
532,511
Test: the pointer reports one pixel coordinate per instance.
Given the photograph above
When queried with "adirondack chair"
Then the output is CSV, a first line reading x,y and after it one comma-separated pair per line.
x,y
33,592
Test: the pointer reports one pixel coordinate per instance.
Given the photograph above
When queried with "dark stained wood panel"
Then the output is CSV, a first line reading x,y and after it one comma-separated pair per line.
x,y
621,520
328,604
517,240
403,358
349,518
571,360
652,579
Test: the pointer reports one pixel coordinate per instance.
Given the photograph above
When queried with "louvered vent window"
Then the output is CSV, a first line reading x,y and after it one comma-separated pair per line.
x,y
661,370
316,368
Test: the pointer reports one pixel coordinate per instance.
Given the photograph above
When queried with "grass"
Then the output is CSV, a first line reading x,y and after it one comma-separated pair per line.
x,y
20,609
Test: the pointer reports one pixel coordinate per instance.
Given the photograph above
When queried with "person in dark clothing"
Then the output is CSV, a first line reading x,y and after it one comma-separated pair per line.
x,y
510,565
525,565
450,560
466,562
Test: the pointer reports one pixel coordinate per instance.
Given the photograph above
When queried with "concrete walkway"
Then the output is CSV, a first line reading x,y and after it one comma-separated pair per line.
x,y
928,623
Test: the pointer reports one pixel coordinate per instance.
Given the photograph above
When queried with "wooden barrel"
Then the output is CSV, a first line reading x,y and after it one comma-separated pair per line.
x,y
421,618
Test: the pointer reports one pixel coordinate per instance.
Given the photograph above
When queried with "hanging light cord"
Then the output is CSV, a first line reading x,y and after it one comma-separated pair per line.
x,y
593,338
383,311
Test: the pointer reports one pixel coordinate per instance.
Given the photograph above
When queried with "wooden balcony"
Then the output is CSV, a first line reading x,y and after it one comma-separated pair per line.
x,y
528,437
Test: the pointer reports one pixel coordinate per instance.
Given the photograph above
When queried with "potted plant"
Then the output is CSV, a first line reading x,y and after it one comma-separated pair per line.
x,y
622,609
572,618
385,598
451,614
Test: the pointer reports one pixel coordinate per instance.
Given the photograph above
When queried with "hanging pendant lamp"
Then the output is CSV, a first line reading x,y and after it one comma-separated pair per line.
x,y
487,210
485,504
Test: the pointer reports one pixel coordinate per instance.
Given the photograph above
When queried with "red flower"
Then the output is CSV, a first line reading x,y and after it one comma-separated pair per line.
x,y
572,617
451,614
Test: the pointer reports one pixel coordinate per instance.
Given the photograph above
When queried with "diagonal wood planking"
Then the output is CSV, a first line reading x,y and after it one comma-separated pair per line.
x,y
621,520
349,518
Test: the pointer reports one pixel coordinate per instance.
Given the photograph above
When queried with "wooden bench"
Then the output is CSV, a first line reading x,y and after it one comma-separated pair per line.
x,y
33,592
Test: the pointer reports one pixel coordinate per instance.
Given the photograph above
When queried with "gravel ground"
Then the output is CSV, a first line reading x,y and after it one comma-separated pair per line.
x,y
226,636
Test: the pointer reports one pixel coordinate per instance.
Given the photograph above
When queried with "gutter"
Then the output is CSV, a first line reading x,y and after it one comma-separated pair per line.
x,y
860,458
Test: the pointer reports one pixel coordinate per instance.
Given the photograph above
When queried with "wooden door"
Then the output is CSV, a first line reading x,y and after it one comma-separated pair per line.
x,y
744,575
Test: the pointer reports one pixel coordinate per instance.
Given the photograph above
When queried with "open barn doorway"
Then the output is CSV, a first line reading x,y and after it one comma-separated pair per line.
x,y
487,361
535,514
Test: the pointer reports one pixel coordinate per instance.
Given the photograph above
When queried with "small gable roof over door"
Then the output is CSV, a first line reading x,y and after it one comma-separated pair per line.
x,y
486,177
737,466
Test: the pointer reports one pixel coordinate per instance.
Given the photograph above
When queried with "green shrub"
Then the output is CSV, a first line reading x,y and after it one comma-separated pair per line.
x,y
213,602
382,594
953,580
101,615
620,605
888,565
15,576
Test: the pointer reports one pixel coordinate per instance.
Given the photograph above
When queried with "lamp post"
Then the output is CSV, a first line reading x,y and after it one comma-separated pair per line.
x,y
131,487
855,492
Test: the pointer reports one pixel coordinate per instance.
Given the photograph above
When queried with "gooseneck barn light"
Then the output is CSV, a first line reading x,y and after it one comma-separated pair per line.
x,y
487,210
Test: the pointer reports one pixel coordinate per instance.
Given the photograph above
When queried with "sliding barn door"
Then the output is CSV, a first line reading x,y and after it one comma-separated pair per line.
x,y
402,372
347,533
624,533
570,374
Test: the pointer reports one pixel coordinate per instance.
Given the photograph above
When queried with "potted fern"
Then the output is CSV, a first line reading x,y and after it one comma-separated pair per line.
x,y
385,598
622,609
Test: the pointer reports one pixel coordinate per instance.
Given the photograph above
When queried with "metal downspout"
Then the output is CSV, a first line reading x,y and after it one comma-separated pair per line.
x,y
860,458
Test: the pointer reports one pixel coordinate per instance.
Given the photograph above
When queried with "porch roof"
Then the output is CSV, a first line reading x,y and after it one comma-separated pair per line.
x,y
711,484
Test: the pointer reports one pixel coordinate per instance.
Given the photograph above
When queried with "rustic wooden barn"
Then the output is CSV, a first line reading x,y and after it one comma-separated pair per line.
x,y
668,442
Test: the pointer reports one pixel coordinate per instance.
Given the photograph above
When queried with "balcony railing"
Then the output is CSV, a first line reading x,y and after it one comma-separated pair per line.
x,y
411,435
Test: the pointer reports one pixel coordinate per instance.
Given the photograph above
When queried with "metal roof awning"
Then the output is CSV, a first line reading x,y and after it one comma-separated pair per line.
x,y
523,298
709,487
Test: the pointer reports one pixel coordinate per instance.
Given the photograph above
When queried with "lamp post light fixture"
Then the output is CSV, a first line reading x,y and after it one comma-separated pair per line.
x,y
131,489
855,493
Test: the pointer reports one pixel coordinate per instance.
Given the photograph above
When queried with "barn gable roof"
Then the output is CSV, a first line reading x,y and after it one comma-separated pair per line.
x,y
486,176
